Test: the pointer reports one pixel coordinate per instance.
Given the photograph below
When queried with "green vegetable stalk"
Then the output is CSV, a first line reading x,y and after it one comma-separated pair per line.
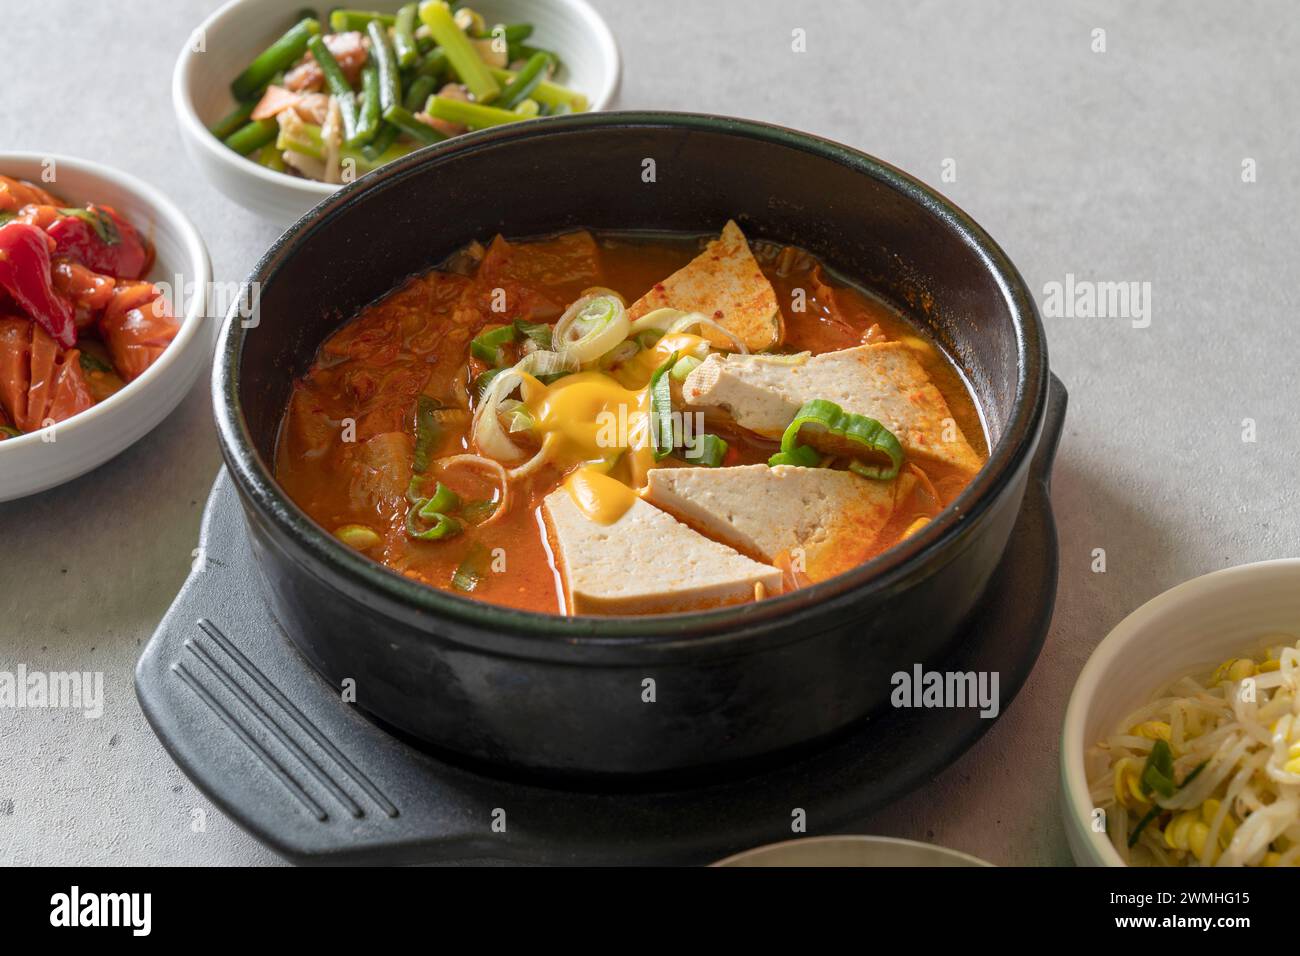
x,y
464,59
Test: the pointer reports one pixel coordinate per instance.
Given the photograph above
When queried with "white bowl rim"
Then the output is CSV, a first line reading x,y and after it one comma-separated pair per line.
x,y
192,126
858,838
1076,803
199,264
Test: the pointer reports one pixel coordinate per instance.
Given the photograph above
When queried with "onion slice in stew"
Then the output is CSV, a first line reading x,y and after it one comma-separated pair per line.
x,y
668,321
591,326
497,471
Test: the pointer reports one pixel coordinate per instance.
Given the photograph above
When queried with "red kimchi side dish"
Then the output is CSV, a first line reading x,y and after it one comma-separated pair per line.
x,y
627,424
77,318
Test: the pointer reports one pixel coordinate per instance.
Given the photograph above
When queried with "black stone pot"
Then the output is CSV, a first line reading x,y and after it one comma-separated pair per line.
x,y
542,693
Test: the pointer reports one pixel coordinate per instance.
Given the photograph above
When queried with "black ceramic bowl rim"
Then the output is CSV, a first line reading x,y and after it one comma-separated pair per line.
x,y
411,600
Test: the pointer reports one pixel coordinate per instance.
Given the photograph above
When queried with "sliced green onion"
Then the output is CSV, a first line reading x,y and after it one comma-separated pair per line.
x,y
428,432
801,456
357,536
444,500
1165,761
591,326
684,367
548,366
476,512
515,416
462,56
444,526
483,381
709,450
648,338
519,420
661,409
619,353
536,332
869,445
487,346
1158,771
473,569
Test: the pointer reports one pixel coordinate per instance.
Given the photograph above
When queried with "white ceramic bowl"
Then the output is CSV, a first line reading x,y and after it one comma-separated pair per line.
x,y
240,30
32,462
851,851
1190,628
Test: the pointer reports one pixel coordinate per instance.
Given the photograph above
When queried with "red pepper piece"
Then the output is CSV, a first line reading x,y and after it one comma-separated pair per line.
x,y
101,240
25,274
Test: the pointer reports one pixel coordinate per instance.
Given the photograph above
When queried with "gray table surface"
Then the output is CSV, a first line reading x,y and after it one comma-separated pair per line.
x,y
1123,165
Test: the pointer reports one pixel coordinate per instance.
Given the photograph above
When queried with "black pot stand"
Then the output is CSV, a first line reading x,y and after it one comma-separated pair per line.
x,y
278,749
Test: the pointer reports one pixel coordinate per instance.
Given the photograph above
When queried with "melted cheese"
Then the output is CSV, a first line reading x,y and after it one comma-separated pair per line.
x,y
637,370
597,430
598,496
597,425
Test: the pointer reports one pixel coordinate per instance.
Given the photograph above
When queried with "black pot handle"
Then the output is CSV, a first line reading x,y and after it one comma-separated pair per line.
x,y
1053,427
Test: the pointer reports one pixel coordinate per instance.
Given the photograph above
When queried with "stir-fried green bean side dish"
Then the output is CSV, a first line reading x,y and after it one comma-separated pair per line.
x,y
339,96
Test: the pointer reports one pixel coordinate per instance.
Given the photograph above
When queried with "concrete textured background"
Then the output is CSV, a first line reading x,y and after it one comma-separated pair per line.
x,y
1117,166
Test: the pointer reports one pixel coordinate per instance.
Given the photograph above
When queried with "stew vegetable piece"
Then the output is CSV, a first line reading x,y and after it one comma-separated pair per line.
x,y
617,424
77,319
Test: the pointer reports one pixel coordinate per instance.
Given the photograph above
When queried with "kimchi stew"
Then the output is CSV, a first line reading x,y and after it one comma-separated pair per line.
x,y
627,424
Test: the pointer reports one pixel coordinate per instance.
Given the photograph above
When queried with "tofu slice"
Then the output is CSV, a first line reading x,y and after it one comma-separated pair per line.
x,y
646,562
763,393
725,283
820,520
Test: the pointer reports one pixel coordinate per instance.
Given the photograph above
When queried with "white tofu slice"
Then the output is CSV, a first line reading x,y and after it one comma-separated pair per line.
x,y
725,283
646,562
822,521
763,393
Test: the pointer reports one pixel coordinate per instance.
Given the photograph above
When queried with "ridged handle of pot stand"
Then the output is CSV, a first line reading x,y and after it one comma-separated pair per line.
x,y
257,731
